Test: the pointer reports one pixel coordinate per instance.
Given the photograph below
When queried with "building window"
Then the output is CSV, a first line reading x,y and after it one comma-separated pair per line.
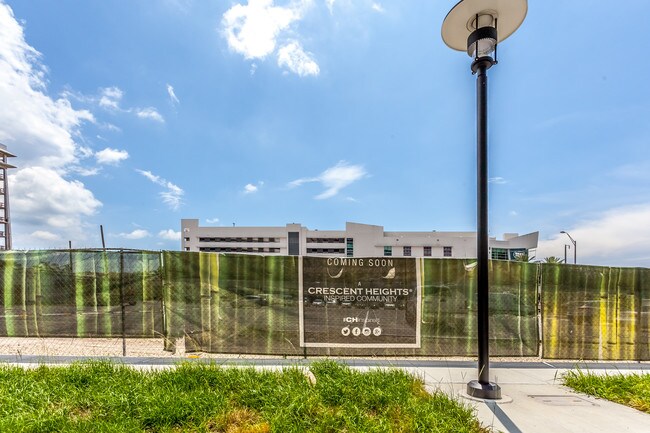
x,y
518,254
388,251
446,251
187,248
294,243
407,251
325,251
187,239
349,250
499,254
427,251
325,240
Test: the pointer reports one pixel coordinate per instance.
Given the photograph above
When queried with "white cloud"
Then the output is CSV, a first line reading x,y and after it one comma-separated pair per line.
x,y
378,8
172,195
169,235
43,199
46,204
149,113
110,127
330,5
636,171
180,5
296,60
250,188
111,156
252,29
43,127
110,97
135,234
255,29
617,237
45,235
334,179
84,171
172,95
212,220
497,180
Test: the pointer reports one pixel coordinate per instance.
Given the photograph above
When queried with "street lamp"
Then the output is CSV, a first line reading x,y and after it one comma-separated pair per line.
x,y
565,247
477,26
575,252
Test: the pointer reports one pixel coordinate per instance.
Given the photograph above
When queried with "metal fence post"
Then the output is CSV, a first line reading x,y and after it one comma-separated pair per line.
x,y
122,302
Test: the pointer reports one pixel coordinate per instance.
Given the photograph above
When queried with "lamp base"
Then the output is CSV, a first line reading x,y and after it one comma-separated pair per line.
x,y
482,62
488,391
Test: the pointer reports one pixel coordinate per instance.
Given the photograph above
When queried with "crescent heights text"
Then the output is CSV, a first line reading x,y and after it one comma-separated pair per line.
x,y
371,294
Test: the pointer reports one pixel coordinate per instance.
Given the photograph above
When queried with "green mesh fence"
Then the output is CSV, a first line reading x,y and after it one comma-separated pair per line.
x,y
80,294
250,304
449,308
592,312
232,303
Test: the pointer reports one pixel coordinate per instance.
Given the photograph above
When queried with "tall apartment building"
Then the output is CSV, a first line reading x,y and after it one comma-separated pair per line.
x,y
357,240
5,221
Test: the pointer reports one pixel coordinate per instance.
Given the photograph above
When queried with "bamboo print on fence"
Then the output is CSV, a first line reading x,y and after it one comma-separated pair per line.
x,y
229,303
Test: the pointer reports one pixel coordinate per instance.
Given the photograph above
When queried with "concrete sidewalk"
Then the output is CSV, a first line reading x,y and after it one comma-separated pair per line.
x,y
534,399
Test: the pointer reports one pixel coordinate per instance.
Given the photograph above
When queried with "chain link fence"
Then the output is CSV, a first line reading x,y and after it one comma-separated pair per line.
x,y
161,304
81,302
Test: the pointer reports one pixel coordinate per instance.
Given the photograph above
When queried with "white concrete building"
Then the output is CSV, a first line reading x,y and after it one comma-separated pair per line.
x,y
357,240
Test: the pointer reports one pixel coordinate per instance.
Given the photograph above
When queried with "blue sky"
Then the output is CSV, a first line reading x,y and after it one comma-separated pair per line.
x,y
265,112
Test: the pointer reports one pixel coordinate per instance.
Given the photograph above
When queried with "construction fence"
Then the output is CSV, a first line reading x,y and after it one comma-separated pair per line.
x,y
146,303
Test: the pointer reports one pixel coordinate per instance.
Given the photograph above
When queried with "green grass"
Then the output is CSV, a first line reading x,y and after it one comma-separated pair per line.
x,y
105,397
629,389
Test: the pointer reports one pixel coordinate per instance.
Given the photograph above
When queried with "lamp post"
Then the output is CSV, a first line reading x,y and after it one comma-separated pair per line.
x,y
575,251
477,26
565,247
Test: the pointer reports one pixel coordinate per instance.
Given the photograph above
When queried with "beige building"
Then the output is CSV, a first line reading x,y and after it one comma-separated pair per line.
x,y
357,240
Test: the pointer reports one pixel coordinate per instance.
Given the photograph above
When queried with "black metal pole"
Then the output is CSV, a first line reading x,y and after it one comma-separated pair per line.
x,y
101,230
482,230
575,247
482,388
575,252
123,313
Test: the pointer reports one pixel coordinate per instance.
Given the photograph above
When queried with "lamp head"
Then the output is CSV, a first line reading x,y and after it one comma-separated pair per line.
x,y
477,26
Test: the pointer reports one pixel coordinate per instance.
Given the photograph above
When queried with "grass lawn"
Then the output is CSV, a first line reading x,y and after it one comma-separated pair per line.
x,y
629,389
104,397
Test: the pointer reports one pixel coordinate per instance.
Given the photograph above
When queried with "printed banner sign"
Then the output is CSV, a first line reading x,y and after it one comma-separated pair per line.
x,y
359,302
